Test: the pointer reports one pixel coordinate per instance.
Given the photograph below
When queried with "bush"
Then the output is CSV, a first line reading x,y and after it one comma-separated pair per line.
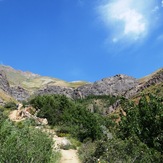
x,y
59,110
144,120
25,145
117,150
10,105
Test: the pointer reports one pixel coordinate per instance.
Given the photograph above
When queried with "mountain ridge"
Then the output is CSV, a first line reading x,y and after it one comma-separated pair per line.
x,y
21,85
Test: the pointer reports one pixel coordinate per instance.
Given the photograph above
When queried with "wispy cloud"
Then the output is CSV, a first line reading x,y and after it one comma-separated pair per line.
x,y
128,19
160,37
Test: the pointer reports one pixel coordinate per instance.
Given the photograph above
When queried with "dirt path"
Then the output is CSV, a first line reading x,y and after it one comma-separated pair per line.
x,y
67,156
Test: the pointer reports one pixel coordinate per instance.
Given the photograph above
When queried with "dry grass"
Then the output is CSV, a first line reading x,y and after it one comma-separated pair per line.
x,y
5,97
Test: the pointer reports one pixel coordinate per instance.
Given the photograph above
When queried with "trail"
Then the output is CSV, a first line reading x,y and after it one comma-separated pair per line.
x,y
67,156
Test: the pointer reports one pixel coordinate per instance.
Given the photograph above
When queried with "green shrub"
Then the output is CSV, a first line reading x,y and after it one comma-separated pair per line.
x,y
117,150
59,110
25,144
144,120
10,105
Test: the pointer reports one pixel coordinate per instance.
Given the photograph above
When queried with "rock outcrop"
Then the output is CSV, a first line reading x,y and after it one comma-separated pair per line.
x,y
25,113
56,90
151,80
116,86
4,84
19,93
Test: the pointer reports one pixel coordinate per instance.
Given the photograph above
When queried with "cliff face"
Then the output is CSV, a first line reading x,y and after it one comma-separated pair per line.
x,y
4,84
56,90
116,86
146,83
17,93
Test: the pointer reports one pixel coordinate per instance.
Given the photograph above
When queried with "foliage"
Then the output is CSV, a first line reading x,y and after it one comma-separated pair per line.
x,y
145,120
25,145
10,105
98,104
117,150
137,138
59,110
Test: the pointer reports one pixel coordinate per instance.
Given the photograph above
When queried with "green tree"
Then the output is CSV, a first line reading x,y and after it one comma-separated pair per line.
x,y
145,120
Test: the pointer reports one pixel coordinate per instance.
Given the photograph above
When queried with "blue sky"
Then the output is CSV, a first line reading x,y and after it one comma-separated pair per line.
x,y
82,39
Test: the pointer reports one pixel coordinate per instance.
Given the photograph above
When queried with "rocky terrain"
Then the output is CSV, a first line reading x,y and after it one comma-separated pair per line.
x,y
4,84
21,85
116,86
154,79
17,93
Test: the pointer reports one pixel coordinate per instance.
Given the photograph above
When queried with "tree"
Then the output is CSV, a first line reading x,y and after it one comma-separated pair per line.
x,y
145,120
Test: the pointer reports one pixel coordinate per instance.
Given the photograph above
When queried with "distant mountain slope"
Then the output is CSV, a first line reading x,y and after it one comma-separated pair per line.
x,y
116,85
152,83
21,85
32,82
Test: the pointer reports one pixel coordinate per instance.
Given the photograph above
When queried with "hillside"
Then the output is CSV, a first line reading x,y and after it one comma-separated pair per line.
x,y
153,83
21,85
33,82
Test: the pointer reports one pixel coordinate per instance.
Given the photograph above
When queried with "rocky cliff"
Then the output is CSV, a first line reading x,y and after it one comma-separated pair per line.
x,y
151,80
116,85
4,84
18,93
56,90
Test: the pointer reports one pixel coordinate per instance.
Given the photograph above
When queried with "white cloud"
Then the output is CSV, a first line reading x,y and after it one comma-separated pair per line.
x,y
155,9
128,19
162,3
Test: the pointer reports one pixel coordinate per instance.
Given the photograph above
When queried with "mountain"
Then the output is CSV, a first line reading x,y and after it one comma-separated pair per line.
x,y
19,85
152,83
33,82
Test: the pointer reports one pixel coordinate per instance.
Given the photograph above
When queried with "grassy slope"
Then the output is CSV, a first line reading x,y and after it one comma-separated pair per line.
x,y
5,97
32,82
